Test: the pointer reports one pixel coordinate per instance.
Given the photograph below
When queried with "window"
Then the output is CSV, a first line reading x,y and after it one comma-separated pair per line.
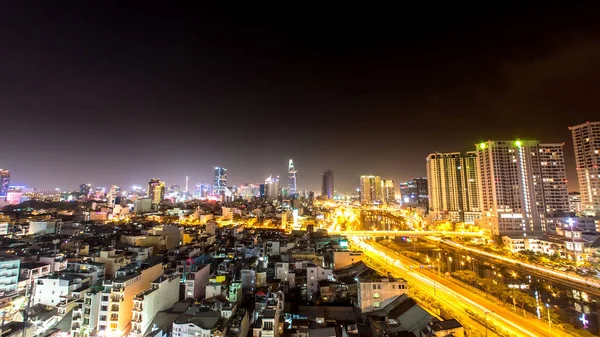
x,y
103,317
376,304
375,295
104,308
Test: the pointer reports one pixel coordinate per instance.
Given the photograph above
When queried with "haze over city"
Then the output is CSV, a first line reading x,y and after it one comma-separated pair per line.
x,y
93,92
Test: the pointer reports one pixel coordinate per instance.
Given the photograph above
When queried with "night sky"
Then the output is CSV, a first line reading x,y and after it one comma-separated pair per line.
x,y
111,94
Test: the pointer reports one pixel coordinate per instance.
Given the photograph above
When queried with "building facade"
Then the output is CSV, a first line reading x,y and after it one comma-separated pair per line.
x,y
376,292
586,143
389,191
327,184
4,182
271,188
163,294
292,182
156,192
371,191
514,179
414,193
220,181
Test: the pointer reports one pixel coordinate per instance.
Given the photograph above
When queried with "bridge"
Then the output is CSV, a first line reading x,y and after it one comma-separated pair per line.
x,y
373,234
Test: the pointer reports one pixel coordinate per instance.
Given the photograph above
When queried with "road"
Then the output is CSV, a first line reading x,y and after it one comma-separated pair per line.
x,y
407,233
591,285
460,298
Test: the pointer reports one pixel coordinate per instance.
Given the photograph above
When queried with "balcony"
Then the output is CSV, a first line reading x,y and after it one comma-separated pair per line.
x,y
114,318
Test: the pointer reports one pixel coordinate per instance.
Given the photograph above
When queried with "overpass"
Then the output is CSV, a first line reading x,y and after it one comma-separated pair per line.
x,y
373,234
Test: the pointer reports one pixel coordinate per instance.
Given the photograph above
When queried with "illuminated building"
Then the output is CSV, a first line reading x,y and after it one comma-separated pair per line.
x,y
327,184
452,185
414,193
514,177
586,143
575,202
554,179
85,189
220,181
389,191
271,188
4,181
9,279
202,190
116,303
156,192
292,187
377,292
371,191
163,294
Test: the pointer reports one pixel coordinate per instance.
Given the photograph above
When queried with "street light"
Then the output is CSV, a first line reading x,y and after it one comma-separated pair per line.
x,y
549,319
485,313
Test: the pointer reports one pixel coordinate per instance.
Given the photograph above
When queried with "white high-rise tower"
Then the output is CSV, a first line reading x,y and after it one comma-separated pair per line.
x,y
586,142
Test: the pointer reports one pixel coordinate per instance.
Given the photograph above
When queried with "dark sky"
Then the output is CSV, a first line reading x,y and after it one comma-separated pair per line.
x,y
104,92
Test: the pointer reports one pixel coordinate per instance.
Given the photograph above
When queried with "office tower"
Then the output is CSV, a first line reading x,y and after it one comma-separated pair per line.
x,y
513,178
85,189
292,187
554,179
370,190
327,184
271,188
4,181
114,190
452,185
389,191
586,143
187,179
156,192
414,193
220,182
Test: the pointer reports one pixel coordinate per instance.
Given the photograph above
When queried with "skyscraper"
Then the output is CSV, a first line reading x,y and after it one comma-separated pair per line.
x,y
586,142
389,191
156,192
271,188
292,187
514,179
452,185
220,182
554,179
85,189
370,190
327,185
4,181
414,193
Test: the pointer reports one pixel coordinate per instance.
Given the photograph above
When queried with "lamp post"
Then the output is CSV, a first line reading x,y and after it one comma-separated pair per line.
x,y
485,313
549,319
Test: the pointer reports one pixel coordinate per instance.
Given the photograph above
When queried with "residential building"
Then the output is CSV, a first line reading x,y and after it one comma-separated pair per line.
x,y
196,281
51,226
446,182
389,191
371,191
314,274
163,294
327,184
116,306
112,261
375,291
345,258
514,177
9,278
586,143
30,271
84,319
195,322
575,202
50,290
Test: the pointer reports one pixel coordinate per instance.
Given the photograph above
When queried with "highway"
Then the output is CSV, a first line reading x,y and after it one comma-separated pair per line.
x,y
458,297
406,233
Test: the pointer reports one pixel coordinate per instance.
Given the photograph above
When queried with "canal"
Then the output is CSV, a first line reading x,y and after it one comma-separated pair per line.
x,y
577,308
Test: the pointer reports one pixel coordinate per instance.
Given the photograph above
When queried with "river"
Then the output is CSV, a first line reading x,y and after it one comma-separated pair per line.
x,y
575,307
